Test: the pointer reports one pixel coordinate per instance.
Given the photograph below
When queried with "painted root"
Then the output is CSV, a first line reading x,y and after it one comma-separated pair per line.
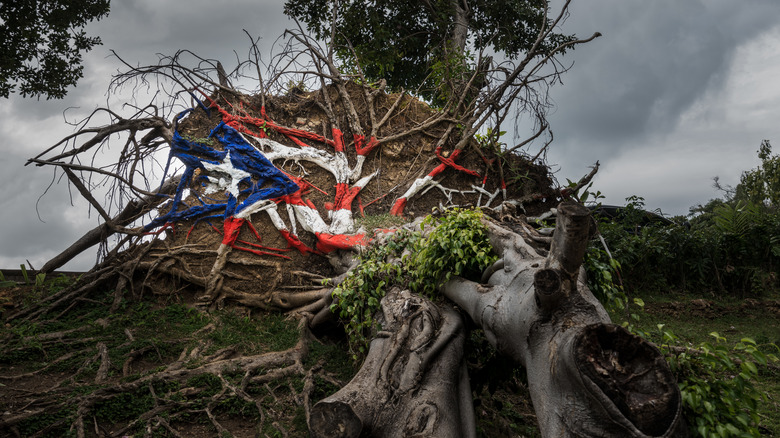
x,y
413,383
587,377
242,164
422,185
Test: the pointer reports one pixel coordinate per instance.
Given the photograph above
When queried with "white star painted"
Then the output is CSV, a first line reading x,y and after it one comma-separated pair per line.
x,y
227,176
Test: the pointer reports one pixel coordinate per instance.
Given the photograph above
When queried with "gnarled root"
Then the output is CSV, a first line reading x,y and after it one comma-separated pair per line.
x,y
586,377
413,382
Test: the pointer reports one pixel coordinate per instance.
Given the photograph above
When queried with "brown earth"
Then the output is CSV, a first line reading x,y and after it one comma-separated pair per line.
x,y
400,162
187,250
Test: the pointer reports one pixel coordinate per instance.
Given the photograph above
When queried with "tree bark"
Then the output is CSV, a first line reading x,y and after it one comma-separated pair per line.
x,y
587,377
413,383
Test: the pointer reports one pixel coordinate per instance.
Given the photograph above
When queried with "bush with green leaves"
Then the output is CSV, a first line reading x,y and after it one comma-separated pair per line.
x,y
730,247
603,279
457,245
717,384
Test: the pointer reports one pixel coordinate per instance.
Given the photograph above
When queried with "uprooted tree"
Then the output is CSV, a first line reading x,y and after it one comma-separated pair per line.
x,y
253,206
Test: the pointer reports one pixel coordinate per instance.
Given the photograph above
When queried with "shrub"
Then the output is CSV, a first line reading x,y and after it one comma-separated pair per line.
x,y
732,248
717,384
458,245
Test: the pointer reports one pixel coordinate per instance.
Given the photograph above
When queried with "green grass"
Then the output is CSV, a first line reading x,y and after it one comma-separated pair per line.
x,y
163,330
693,319
384,220
769,381
266,332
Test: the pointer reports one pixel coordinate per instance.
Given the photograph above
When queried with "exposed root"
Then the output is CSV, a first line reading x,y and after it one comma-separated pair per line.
x,y
173,391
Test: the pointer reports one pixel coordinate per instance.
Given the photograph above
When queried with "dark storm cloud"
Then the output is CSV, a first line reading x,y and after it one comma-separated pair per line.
x,y
655,60
138,31
31,230
210,29
644,98
655,99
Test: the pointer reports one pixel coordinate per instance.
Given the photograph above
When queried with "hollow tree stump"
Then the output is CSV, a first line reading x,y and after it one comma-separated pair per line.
x,y
587,377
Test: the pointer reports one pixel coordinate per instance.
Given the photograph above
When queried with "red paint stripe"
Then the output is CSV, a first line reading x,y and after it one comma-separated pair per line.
x,y
372,144
377,199
254,251
331,242
295,242
257,245
232,120
297,141
164,227
398,207
450,161
345,196
231,229
338,140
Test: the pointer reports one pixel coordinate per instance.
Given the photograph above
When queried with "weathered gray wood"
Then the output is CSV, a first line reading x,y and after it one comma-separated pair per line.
x,y
587,377
413,382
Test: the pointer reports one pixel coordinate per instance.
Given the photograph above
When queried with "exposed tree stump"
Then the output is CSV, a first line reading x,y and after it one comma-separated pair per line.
x,y
586,376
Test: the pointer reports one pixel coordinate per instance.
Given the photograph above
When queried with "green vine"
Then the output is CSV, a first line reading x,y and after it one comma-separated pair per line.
x,y
357,298
459,245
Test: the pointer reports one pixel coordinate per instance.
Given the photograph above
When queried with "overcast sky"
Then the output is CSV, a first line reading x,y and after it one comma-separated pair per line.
x,y
675,93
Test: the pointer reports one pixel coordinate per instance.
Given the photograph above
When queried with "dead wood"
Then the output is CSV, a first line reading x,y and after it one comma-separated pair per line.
x,y
586,376
413,381
131,212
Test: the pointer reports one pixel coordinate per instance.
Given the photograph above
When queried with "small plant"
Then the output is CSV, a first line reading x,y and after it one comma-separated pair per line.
x,y
201,140
357,298
603,272
490,140
24,274
584,194
384,220
459,245
4,282
717,384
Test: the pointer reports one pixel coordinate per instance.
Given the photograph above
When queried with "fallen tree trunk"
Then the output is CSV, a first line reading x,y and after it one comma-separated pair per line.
x,y
131,212
586,376
413,383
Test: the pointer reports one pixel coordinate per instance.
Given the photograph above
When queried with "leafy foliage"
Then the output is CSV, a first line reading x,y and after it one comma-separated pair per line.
x,y
730,247
357,298
458,245
406,42
762,184
603,273
717,384
41,44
